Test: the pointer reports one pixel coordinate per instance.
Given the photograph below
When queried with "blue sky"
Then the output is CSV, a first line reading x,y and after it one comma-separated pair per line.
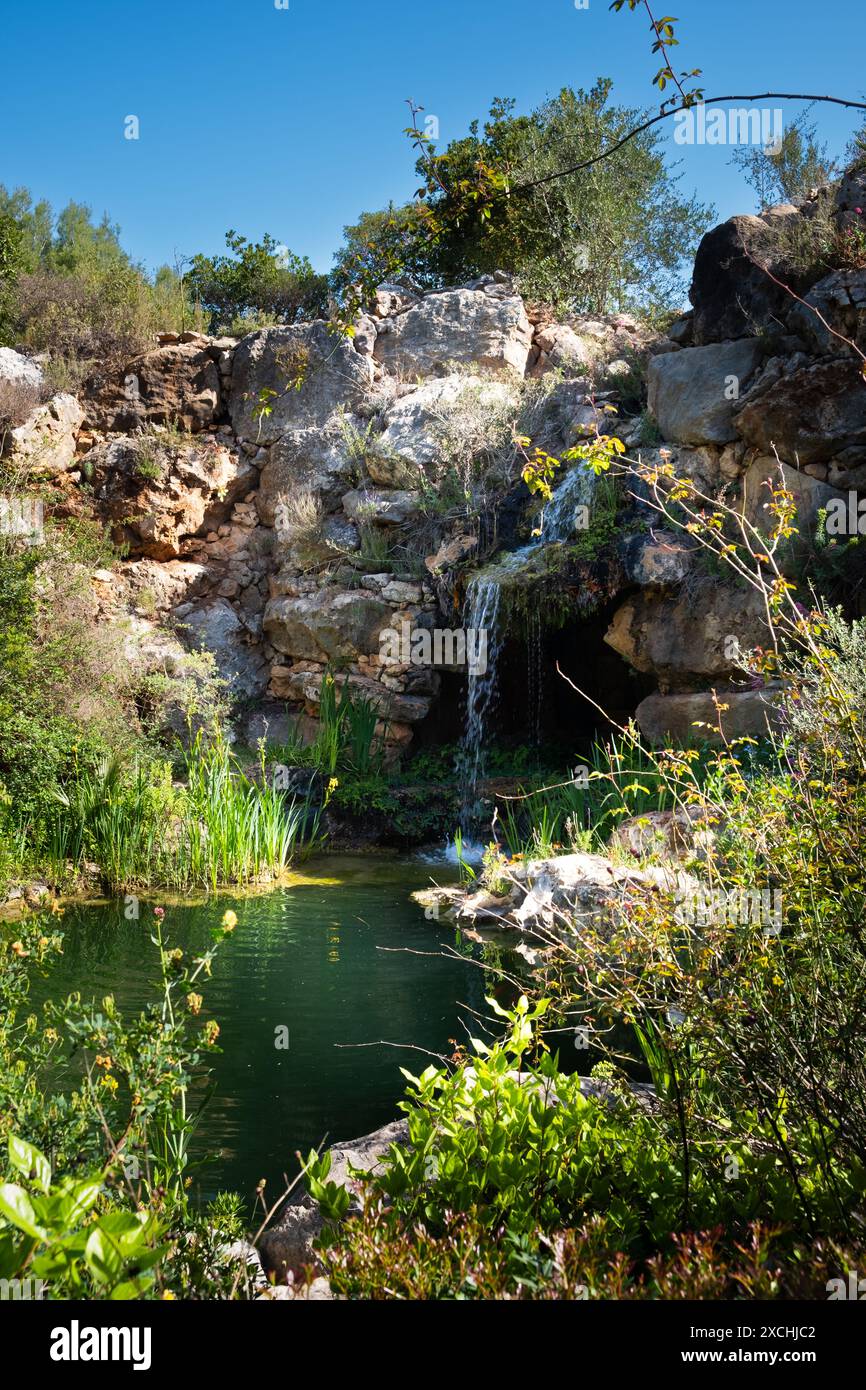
x,y
290,121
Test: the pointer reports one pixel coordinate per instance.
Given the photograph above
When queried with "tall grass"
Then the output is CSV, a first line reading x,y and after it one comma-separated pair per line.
x,y
138,829
582,813
346,739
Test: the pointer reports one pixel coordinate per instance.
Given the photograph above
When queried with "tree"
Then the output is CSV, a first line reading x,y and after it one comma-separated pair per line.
x,y
786,174
261,282
613,237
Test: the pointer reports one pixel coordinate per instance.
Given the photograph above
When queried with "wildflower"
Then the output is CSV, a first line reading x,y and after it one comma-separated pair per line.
x,y
159,912
168,1296
194,1002
230,920
109,1082
211,1031
104,1061
18,948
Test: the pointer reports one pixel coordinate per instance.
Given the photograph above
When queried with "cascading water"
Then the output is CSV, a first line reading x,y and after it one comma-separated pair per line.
x,y
482,615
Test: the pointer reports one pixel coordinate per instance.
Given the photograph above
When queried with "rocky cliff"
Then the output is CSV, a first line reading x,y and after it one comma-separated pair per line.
x,y
284,500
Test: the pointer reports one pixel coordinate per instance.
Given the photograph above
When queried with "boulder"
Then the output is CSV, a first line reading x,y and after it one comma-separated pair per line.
x,y
315,460
379,507
300,374
20,370
288,1244
178,384
693,393
732,296
688,638
657,557
838,302
462,325
45,443
672,718
215,627
390,705
680,836
411,440
808,415
333,625
765,475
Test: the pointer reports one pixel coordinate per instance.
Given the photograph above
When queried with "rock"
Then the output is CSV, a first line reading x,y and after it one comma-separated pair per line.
x,y
411,440
809,415
215,627
732,296
45,443
313,460
693,393
178,384
288,1245
560,896
840,300
331,626
456,326
378,507
657,557
810,494
157,496
390,705
671,719
681,836
15,367
450,553
688,638
311,371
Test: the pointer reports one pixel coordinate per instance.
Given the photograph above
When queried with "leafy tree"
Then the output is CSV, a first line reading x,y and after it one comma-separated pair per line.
x,y
786,174
259,282
611,237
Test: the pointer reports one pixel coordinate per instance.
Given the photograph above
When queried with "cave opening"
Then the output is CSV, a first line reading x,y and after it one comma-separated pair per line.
x,y
534,707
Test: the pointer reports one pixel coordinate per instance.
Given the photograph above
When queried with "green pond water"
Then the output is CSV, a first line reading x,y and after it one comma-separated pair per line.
x,y
330,958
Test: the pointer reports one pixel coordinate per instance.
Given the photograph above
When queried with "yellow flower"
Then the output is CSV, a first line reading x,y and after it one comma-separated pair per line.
x,y
168,1296
194,1002
230,920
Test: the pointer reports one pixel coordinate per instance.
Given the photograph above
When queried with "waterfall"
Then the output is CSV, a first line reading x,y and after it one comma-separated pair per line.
x,y
481,614
575,490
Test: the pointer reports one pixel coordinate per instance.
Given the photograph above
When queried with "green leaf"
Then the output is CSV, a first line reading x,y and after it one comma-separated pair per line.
x,y
16,1206
30,1162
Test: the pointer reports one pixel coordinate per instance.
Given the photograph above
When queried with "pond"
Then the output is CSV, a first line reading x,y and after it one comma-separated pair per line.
x,y
342,959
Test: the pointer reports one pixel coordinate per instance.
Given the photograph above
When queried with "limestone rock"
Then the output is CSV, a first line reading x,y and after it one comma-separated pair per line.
x,y
178,384
379,507
45,443
15,367
809,415
657,557
331,626
311,372
214,626
840,300
687,638
765,474
451,326
390,705
732,296
411,439
664,719
693,393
